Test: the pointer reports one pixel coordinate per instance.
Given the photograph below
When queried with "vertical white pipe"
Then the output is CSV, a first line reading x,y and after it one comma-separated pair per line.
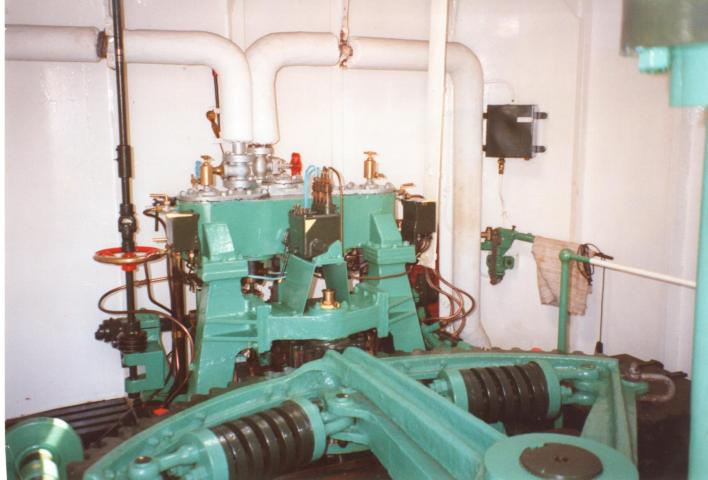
x,y
437,47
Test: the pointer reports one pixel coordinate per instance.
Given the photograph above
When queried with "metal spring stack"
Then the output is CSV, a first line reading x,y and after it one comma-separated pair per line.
x,y
507,393
132,342
267,443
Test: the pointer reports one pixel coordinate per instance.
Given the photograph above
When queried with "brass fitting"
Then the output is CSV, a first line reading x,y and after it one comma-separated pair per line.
x,y
371,166
207,172
329,301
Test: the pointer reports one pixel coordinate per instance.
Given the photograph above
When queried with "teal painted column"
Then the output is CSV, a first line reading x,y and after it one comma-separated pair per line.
x,y
698,453
689,88
565,257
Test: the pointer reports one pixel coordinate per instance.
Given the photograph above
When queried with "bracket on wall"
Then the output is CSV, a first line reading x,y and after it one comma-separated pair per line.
x,y
512,132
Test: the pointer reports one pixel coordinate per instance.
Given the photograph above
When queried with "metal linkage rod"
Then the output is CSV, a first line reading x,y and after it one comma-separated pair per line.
x,y
566,256
127,224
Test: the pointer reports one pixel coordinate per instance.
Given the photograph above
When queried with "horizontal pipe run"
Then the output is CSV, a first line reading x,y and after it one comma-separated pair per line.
x,y
51,44
165,47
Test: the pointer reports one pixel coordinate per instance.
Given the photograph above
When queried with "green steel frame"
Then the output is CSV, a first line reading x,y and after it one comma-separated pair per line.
x,y
384,405
232,233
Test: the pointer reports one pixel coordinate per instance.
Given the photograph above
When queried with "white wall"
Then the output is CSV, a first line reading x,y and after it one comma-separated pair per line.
x,y
620,170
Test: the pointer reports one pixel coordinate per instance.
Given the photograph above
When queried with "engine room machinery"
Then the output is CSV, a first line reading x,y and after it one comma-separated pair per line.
x,y
303,330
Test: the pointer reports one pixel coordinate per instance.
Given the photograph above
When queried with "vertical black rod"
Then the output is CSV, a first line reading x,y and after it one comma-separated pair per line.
x,y
179,341
126,222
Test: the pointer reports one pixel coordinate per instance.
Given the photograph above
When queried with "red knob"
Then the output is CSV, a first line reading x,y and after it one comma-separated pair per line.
x,y
295,164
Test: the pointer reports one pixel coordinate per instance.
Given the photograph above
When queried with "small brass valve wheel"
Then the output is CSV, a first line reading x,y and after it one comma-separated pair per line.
x,y
128,261
329,301
371,166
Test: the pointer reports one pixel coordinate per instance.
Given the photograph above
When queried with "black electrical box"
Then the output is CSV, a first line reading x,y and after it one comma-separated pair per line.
x,y
311,233
182,231
511,131
418,220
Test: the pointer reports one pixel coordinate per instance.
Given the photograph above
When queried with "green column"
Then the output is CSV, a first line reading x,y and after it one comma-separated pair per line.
x,y
565,257
698,464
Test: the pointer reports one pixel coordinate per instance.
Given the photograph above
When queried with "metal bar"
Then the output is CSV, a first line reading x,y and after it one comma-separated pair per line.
x,y
698,460
642,273
566,256
524,237
126,221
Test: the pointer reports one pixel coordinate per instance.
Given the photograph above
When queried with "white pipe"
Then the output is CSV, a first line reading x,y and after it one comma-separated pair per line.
x,y
437,47
432,176
468,82
51,44
208,49
643,273
78,44
271,53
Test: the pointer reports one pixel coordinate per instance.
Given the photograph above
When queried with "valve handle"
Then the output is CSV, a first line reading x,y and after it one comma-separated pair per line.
x,y
128,261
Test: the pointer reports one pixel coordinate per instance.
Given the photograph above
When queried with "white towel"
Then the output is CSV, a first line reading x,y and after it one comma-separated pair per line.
x,y
548,272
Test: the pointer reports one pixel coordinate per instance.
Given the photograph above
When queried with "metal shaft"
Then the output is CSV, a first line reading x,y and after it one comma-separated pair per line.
x,y
126,221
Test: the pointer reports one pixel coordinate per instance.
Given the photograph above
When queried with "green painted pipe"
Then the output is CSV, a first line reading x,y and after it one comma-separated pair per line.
x,y
688,65
565,255
698,460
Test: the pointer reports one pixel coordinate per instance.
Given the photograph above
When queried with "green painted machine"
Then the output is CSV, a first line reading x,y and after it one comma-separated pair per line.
x,y
311,333
412,412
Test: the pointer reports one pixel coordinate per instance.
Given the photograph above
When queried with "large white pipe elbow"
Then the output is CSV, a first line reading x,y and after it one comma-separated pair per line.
x,y
51,44
208,49
267,56
79,44
468,82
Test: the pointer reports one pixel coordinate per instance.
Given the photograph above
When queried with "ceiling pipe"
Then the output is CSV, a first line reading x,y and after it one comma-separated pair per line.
x,y
266,56
468,82
80,44
51,44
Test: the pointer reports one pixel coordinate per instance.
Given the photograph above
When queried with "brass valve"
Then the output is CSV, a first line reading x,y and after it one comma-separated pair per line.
x,y
207,172
371,166
329,301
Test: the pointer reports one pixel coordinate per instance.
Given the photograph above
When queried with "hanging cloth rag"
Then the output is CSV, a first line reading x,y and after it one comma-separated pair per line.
x,y
548,272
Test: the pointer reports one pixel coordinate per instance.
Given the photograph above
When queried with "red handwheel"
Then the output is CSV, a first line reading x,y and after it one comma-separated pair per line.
x,y
128,261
